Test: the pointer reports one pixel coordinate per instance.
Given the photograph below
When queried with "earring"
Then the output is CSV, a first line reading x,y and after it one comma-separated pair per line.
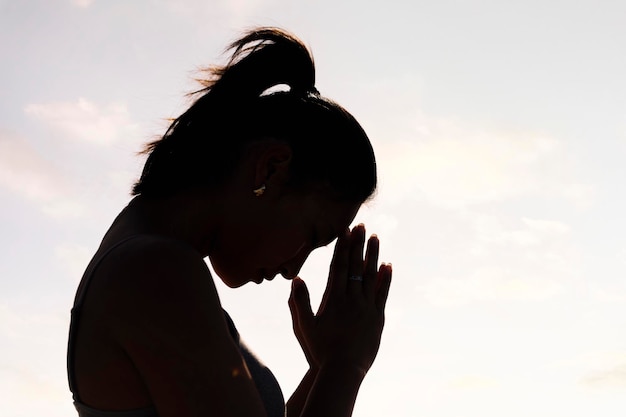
x,y
259,191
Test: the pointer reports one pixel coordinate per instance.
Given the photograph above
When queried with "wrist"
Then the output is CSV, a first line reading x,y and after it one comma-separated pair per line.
x,y
341,367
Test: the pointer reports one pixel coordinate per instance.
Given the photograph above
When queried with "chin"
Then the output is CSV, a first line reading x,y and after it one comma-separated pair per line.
x,y
236,281
233,276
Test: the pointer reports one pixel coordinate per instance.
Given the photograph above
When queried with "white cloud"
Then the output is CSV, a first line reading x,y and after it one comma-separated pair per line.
x,y
86,121
614,377
82,3
32,361
235,12
621,256
455,167
64,208
488,283
607,293
489,258
532,231
546,226
74,258
472,382
26,172
603,369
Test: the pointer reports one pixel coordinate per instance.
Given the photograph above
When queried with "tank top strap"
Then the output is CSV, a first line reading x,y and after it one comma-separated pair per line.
x,y
75,312
93,265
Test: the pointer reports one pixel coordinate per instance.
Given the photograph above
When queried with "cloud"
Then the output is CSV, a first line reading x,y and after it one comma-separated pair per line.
x,y
532,231
452,166
607,378
86,121
26,172
621,256
607,293
488,283
83,4
596,369
472,382
74,258
33,363
235,12
488,258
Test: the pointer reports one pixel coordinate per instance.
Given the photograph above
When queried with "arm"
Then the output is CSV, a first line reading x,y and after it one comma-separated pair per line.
x,y
296,403
341,341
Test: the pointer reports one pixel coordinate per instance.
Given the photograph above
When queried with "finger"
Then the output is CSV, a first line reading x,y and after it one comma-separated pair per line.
x,y
294,314
370,274
296,318
300,302
357,242
384,282
336,284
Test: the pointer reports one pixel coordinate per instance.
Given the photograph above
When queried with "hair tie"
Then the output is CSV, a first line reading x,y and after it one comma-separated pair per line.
x,y
286,88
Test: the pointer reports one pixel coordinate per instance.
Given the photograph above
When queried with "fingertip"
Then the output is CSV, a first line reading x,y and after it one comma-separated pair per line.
x,y
343,241
384,274
382,290
387,275
373,241
299,287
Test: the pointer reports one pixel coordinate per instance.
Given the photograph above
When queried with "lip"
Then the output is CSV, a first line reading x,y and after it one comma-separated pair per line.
x,y
268,275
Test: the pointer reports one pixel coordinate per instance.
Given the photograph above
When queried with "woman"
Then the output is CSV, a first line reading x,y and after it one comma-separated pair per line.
x,y
254,177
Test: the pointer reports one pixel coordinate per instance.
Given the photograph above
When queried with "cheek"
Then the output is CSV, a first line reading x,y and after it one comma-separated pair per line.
x,y
233,262
286,245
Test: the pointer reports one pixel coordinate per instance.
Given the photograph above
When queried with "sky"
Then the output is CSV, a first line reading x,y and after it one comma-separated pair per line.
x,y
500,133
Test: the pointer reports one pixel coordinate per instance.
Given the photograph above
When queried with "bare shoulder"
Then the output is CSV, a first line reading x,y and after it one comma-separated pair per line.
x,y
151,253
160,306
155,273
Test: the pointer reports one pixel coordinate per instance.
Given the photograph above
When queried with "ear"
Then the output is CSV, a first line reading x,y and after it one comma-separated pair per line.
x,y
272,165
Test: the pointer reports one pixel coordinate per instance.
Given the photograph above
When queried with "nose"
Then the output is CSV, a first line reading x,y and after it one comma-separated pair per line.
x,y
291,268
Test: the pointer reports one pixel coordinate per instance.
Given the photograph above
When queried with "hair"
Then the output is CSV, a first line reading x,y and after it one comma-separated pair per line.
x,y
241,103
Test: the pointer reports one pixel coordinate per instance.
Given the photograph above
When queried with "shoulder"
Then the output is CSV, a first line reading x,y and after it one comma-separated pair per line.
x,y
159,304
155,259
148,277
151,251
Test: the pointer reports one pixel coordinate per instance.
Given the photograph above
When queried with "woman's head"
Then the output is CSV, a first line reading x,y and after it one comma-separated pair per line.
x,y
243,103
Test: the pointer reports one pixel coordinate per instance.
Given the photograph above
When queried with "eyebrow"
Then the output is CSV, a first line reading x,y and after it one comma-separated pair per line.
x,y
327,241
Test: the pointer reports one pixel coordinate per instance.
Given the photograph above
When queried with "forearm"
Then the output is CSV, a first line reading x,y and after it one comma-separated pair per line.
x,y
333,392
299,396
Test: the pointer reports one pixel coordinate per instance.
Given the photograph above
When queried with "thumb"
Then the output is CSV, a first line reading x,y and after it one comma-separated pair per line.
x,y
300,304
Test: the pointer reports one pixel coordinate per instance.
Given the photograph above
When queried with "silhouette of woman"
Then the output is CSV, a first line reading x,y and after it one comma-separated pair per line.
x,y
255,178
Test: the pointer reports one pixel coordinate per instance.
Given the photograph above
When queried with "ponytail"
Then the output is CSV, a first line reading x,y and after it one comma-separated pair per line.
x,y
260,60
237,105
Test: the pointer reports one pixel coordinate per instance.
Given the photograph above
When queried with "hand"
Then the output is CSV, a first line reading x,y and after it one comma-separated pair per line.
x,y
348,325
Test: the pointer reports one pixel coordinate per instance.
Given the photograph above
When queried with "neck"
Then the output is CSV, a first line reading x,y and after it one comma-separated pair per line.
x,y
188,217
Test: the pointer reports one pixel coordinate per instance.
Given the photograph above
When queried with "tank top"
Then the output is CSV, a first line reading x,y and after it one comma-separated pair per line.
x,y
267,385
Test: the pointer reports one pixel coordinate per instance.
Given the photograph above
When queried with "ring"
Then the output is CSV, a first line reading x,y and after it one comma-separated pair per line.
x,y
355,278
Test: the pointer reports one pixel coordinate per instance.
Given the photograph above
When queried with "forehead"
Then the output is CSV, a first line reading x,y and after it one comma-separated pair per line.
x,y
331,217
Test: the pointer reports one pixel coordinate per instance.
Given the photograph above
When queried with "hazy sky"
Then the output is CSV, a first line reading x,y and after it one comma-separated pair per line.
x,y
500,131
